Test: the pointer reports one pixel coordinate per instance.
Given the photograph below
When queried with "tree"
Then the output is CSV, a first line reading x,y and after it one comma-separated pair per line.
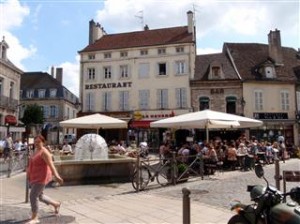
x,y
33,114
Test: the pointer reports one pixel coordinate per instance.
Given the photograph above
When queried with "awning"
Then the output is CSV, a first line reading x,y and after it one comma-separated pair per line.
x,y
140,124
10,119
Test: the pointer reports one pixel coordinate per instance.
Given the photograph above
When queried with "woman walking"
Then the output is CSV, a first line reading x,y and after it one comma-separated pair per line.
x,y
40,171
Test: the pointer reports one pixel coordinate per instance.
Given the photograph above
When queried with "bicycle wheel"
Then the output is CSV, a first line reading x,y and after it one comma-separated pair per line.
x,y
144,178
164,175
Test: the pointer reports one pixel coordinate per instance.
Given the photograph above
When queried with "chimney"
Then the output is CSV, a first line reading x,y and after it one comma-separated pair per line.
x,y
59,75
95,32
52,71
146,27
275,50
190,21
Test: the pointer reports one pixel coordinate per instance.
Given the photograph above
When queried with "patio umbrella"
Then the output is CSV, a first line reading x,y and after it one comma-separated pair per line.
x,y
207,119
94,121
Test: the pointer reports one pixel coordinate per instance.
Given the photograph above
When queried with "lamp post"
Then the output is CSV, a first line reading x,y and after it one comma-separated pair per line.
x,y
243,104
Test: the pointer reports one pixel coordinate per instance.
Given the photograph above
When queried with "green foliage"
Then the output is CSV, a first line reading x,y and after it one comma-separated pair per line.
x,y
181,167
33,114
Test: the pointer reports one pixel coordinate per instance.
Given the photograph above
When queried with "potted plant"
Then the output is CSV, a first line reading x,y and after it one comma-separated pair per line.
x,y
182,170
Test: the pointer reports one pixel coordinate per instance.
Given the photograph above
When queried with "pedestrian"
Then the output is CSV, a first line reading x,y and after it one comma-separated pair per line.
x,y
8,147
40,171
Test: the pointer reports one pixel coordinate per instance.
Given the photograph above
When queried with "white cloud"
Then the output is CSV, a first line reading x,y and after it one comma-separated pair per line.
x,y
71,75
12,16
208,51
17,53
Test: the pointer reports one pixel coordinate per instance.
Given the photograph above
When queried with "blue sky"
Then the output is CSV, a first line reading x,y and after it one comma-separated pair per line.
x,y
42,34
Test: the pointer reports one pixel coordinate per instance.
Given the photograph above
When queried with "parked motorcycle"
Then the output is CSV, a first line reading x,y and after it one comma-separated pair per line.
x,y
268,206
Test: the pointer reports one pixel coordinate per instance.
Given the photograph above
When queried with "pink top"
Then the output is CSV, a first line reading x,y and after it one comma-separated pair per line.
x,y
39,171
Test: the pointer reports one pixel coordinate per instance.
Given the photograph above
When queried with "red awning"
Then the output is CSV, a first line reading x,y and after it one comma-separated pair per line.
x,y
140,124
10,119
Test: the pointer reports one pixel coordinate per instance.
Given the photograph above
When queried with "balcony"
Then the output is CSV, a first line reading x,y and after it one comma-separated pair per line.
x,y
8,103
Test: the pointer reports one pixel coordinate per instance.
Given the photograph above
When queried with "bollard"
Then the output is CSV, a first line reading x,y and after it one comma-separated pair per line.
x,y
186,213
138,181
10,160
174,173
277,176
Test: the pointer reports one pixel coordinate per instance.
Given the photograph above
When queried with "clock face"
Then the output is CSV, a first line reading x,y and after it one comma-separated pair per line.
x,y
91,147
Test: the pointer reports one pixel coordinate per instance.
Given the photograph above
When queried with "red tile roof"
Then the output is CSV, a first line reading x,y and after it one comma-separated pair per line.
x,y
203,62
165,36
247,56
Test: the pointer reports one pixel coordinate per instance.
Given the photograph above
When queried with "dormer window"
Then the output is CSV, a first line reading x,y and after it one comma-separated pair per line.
x,y
215,71
269,72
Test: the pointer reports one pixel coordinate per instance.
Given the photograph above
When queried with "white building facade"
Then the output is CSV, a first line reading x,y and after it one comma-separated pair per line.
x,y
140,76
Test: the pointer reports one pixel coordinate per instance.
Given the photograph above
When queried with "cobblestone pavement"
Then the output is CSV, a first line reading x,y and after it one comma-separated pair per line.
x,y
119,203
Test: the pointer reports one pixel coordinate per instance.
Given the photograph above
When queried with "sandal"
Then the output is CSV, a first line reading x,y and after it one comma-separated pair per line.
x,y
33,221
57,208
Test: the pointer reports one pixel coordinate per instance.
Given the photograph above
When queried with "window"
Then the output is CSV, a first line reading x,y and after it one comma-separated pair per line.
x,y
107,55
107,72
53,92
298,100
269,72
162,68
41,93
179,49
161,51
90,102
144,70
106,101
284,100
180,67
124,101
258,99
53,111
181,98
45,110
11,90
231,105
144,52
216,71
124,71
91,56
204,103
123,54
30,93
1,86
91,73
162,98
144,99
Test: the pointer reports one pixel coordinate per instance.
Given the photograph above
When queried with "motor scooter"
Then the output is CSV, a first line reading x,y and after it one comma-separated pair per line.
x,y
269,206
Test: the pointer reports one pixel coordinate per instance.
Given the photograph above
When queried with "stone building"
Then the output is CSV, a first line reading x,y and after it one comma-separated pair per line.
x,y
9,94
138,76
56,101
257,80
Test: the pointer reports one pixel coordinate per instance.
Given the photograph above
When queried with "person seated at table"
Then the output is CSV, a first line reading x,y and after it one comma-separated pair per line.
x,y
184,153
241,154
67,148
232,155
269,153
210,158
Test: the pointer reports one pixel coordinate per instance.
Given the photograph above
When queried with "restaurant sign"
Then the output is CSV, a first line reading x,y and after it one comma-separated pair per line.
x,y
108,85
270,116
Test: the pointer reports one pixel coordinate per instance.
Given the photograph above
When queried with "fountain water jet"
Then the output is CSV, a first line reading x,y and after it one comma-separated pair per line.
x,y
91,163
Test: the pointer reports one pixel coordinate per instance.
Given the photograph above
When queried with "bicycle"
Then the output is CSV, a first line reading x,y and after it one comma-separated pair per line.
x,y
162,172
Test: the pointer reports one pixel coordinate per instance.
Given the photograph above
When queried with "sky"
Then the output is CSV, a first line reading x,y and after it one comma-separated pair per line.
x,y
46,33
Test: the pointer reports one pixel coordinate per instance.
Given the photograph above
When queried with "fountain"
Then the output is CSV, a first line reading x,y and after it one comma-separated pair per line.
x,y
92,164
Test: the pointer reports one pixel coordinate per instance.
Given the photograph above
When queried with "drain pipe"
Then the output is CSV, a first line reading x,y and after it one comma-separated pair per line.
x,y
186,209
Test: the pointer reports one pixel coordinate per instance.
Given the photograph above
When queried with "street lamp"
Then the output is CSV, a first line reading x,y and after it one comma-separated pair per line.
x,y
243,103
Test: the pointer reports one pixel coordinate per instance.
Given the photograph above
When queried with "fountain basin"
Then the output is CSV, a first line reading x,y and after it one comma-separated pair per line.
x,y
115,169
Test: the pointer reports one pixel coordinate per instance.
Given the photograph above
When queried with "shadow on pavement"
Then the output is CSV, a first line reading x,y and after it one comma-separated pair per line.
x,y
18,215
